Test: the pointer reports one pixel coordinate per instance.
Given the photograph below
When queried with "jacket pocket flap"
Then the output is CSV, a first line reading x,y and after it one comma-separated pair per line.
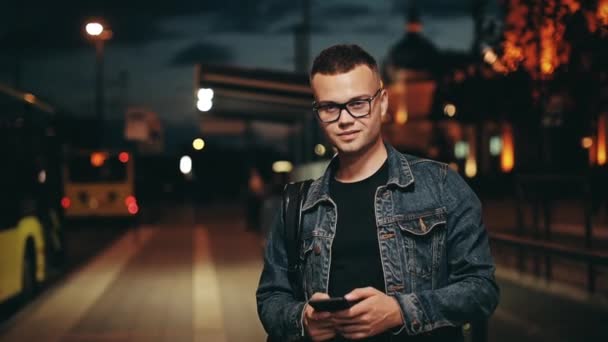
x,y
423,223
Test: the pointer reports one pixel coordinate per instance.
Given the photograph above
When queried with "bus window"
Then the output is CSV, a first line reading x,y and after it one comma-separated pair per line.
x,y
82,170
9,202
99,184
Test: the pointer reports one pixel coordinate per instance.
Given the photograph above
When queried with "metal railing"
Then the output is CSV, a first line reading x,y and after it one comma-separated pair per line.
x,y
592,258
541,191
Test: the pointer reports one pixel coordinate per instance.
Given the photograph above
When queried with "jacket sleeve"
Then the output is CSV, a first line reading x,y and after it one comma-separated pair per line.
x,y
278,309
472,293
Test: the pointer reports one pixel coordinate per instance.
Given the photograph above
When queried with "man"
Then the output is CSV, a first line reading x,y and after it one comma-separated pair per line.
x,y
255,197
399,236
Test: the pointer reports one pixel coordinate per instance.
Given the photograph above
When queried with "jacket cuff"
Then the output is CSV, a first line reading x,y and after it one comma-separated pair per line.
x,y
295,331
414,318
399,329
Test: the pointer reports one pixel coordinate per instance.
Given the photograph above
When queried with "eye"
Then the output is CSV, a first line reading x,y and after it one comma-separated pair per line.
x,y
329,108
357,104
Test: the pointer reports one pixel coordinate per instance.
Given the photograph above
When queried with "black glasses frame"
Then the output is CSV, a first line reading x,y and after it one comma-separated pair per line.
x,y
344,106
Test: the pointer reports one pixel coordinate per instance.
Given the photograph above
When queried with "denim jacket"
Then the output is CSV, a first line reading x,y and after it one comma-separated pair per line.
x,y
433,247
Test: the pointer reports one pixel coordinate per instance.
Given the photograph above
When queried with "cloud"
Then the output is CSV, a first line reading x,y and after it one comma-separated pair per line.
x,y
48,27
373,28
344,11
42,27
57,25
315,28
51,37
435,8
202,52
252,17
324,19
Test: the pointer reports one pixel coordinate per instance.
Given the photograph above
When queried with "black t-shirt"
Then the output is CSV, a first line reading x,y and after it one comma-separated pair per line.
x,y
355,252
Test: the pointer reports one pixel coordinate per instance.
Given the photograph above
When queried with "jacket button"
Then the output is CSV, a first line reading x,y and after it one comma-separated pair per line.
x,y
416,325
317,249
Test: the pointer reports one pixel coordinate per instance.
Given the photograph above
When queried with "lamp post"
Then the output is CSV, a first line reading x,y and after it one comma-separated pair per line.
x,y
97,33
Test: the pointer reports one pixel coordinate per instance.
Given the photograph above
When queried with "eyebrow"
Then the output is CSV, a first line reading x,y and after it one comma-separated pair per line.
x,y
358,97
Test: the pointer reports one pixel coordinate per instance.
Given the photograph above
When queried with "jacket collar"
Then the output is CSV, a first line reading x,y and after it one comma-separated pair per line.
x,y
399,174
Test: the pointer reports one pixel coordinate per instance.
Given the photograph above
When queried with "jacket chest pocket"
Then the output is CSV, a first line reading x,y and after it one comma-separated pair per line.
x,y
423,238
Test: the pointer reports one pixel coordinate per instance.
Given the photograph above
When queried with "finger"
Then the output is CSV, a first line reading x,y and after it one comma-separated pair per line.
x,y
328,330
311,314
320,315
353,329
319,295
323,336
360,294
356,336
328,336
322,326
352,312
320,329
347,321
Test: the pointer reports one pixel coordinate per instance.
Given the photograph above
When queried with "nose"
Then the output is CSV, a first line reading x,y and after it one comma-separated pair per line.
x,y
345,118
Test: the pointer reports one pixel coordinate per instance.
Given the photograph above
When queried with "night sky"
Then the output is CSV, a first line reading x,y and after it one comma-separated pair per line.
x,y
156,43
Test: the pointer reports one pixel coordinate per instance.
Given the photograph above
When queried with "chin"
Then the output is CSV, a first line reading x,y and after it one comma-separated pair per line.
x,y
353,147
348,148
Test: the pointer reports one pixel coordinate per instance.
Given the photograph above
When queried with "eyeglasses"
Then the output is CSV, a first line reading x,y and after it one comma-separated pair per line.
x,y
330,112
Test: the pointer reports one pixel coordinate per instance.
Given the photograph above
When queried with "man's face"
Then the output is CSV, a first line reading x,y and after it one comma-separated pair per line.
x,y
348,134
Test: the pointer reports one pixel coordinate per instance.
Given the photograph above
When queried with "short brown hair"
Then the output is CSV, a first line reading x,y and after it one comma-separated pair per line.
x,y
340,59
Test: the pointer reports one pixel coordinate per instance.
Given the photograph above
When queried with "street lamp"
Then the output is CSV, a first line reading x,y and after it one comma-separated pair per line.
x,y
198,144
204,101
94,29
97,33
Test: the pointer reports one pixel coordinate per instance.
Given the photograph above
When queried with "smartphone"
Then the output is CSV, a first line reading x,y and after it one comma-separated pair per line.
x,y
330,304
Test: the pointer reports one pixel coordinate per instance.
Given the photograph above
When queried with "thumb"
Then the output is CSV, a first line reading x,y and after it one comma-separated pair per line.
x,y
360,294
319,295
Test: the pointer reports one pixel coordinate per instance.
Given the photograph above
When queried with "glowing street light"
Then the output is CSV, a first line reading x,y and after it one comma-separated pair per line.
x,y
461,150
185,165
602,125
204,101
449,110
401,116
470,166
94,29
282,166
198,144
320,150
495,146
507,157
587,142
205,93
489,56
30,98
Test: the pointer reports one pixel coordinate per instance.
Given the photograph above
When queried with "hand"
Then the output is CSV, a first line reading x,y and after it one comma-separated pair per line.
x,y
374,313
318,324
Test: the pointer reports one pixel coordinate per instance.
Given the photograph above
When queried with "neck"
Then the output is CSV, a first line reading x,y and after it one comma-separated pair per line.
x,y
356,167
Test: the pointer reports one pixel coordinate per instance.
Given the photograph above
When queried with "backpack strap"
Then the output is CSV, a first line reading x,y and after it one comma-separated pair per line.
x,y
294,196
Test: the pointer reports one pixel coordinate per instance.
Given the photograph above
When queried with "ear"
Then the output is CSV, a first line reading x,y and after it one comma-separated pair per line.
x,y
384,103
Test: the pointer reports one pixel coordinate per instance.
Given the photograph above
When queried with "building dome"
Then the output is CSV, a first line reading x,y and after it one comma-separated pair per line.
x,y
414,51
410,71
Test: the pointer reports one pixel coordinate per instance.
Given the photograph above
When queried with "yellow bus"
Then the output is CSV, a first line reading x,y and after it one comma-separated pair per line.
x,y
99,184
30,192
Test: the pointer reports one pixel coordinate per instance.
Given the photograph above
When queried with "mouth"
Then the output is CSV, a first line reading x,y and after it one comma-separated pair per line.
x,y
348,134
